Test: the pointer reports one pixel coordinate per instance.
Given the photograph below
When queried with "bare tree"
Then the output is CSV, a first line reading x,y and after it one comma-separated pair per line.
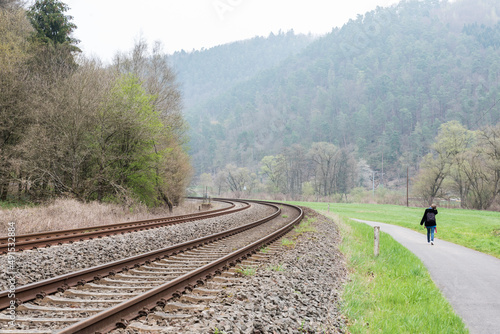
x,y
274,168
446,161
157,77
325,157
58,147
15,90
489,146
238,180
220,182
346,172
296,167
431,176
11,4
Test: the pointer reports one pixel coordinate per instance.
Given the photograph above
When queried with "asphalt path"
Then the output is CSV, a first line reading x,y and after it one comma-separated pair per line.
x,y
470,280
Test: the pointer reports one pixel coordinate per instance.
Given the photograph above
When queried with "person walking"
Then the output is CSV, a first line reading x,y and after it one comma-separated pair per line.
x,y
429,219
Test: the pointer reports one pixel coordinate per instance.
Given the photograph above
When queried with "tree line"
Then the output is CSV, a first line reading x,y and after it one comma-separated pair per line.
x,y
324,169
70,126
462,164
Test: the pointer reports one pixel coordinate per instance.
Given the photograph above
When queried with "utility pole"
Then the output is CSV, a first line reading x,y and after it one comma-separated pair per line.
x,y
382,182
407,182
373,183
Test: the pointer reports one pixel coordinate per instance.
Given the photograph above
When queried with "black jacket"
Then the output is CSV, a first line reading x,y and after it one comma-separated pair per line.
x,y
427,221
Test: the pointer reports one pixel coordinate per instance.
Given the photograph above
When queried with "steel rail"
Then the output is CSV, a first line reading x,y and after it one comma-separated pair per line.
x,y
26,237
61,283
30,241
121,314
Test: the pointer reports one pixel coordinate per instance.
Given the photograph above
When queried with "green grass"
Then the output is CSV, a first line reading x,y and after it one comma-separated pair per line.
x,y
305,226
287,242
391,293
278,267
15,204
7,205
264,250
479,230
247,271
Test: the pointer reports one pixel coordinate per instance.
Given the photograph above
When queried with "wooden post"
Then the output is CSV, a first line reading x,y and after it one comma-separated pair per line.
x,y
376,248
328,207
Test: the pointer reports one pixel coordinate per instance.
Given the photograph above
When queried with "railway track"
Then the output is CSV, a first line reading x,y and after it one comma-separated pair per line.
x,y
109,296
174,315
46,239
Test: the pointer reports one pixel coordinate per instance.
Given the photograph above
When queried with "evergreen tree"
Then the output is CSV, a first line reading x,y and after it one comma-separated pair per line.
x,y
50,24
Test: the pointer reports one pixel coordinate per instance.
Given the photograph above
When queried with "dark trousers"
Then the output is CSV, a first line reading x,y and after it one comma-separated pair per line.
x,y
430,233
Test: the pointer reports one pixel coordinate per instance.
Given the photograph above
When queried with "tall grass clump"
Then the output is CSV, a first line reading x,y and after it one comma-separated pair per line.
x,y
305,226
287,243
246,271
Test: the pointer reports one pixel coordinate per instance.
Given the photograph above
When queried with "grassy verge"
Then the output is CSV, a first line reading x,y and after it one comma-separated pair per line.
x,y
392,293
479,230
10,205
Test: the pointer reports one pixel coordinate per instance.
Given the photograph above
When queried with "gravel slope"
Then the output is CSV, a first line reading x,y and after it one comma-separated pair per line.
x,y
303,298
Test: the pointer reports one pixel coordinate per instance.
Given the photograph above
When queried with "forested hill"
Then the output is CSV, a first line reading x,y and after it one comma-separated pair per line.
x,y
382,83
208,73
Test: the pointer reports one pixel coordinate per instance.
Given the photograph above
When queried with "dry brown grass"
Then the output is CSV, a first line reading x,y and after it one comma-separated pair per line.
x,y
69,213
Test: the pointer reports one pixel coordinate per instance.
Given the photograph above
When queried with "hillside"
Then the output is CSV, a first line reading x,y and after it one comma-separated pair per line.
x,y
211,72
382,83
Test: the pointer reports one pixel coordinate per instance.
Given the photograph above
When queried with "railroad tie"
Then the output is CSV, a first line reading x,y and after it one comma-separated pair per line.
x,y
4,317
174,306
142,328
34,307
86,293
62,300
195,298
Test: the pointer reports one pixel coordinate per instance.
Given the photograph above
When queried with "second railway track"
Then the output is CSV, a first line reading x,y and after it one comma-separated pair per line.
x,y
46,239
107,296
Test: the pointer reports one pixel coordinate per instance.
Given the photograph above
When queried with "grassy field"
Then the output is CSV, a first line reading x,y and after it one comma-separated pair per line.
x,y
391,293
479,230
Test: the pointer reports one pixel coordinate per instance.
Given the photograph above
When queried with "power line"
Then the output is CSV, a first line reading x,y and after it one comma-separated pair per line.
x,y
486,112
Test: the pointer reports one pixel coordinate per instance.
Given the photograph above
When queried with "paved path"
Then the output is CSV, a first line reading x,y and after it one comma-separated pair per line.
x,y
470,280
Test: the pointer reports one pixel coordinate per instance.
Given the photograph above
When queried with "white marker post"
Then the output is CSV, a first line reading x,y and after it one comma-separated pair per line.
x,y
376,230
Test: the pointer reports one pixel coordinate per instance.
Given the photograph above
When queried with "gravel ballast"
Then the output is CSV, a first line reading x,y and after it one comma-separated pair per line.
x,y
44,263
297,291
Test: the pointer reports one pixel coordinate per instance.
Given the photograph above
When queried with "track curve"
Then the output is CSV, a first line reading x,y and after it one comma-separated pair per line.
x,y
123,311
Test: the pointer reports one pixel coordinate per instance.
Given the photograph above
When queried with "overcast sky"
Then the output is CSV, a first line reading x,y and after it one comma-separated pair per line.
x,y
108,26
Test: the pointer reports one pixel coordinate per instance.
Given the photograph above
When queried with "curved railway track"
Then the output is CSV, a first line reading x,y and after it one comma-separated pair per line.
x,y
46,239
108,296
